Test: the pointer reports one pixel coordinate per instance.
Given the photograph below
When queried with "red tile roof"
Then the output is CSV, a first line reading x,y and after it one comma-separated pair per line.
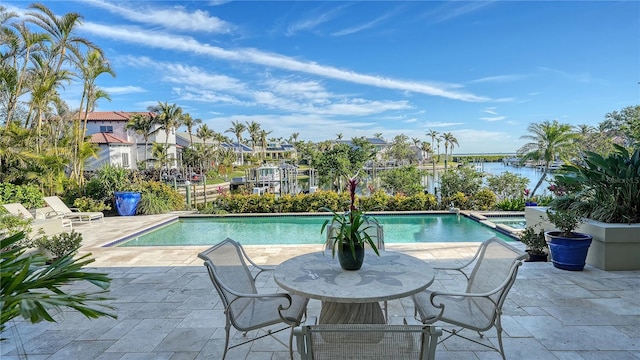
x,y
107,138
114,115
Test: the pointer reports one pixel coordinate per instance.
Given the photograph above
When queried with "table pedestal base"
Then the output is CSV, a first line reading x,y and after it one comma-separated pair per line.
x,y
351,313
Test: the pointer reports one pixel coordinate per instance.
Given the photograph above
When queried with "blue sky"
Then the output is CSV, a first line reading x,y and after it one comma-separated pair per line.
x,y
482,70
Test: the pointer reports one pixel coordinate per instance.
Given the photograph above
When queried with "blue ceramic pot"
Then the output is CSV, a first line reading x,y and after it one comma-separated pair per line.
x,y
127,202
568,253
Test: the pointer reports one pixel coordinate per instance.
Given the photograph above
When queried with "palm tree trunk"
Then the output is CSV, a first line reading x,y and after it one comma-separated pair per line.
x,y
544,175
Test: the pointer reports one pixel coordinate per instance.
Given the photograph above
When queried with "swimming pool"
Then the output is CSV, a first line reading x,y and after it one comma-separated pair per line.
x,y
275,230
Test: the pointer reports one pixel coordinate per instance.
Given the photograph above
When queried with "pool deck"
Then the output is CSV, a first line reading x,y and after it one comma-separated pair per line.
x,y
168,309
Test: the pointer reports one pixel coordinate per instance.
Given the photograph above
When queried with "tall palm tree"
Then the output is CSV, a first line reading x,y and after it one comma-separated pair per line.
x,y
377,135
237,128
449,140
190,122
62,30
339,136
433,134
204,133
548,141
141,124
425,147
254,133
263,142
24,43
168,118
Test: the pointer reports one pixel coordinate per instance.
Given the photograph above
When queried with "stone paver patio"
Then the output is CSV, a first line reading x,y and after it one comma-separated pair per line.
x,y
167,308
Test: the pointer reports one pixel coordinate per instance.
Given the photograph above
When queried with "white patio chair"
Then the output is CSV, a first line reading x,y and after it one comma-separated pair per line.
x,y
246,309
479,307
366,341
61,209
48,226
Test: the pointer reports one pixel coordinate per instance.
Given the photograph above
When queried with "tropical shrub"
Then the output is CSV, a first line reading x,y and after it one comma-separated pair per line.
x,y
11,224
535,241
31,288
513,204
465,180
86,203
405,180
160,191
483,200
28,195
66,243
507,185
608,189
458,199
151,204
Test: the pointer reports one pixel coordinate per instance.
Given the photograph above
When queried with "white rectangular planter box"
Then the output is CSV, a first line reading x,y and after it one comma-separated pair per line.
x,y
614,246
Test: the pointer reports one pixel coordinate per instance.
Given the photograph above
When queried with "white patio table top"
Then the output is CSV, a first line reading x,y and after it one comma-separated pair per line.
x,y
352,296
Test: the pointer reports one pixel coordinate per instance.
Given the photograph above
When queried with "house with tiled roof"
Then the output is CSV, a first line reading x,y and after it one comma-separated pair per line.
x,y
120,146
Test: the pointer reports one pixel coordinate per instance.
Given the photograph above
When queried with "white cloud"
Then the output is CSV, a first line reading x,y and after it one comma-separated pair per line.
x,y
499,79
313,20
371,24
168,17
119,90
254,56
493,118
490,110
438,124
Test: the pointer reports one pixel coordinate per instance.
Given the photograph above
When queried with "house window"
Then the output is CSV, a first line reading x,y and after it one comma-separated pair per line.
x,y
125,160
106,129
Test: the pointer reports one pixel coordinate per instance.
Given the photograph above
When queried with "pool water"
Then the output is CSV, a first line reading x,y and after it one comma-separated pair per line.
x,y
274,230
514,222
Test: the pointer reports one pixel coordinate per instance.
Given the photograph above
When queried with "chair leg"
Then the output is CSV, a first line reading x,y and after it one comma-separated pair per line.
x,y
227,328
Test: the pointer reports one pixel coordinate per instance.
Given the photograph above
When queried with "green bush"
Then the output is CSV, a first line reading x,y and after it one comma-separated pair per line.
x,y
151,204
459,200
511,204
12,224
483,200
29,196
88,204
62,244
158,198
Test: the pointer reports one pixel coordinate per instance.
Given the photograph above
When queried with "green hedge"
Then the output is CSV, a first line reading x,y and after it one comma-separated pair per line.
x,y
29,196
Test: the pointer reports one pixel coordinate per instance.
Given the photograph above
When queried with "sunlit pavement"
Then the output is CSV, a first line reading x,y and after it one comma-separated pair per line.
x,y
168,309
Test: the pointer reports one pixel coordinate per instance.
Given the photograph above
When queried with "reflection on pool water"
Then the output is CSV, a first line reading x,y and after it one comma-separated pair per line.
x,y
273,230
514,222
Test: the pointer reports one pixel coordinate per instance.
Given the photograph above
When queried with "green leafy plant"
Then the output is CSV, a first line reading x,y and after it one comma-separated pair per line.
x,y
61,244
535,241
31,288
565,220
88,204
350,228
607,186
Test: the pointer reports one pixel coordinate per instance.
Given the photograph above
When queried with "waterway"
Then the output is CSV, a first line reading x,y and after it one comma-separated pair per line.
x,y
497,168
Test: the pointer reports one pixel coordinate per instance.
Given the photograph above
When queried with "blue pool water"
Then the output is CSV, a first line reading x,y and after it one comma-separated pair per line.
x,y
514,222
273,230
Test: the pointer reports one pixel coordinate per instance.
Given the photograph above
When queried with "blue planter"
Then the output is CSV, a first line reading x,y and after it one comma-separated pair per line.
x,y
530,203
127,202
568,253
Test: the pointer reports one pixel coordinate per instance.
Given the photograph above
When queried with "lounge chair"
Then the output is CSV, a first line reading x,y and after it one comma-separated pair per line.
x,y
366,341
73,214
478,308
40,226
244,307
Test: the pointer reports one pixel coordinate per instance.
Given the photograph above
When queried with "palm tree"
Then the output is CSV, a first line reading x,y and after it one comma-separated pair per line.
x,y
91,67
204,133
548,141
62,30
190,122
377,135
254,133
141,124
263,142
425,147
237,128
433,134
339,136
23,45
169,117
449,140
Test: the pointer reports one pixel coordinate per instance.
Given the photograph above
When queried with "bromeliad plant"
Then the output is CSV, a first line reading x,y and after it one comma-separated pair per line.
x,y
349,229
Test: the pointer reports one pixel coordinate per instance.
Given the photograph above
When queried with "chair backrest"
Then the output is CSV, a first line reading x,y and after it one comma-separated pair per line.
x,y
18,209
496,267
230,274
57,204
375,231
367,341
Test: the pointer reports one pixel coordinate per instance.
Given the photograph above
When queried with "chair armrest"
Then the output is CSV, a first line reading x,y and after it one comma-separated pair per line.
x,y
54,214
74,209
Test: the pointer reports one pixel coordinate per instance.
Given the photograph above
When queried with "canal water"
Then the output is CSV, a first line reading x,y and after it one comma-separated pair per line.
x,y
497,168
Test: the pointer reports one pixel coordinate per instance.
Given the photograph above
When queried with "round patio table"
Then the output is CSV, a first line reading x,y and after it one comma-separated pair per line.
x,y
351,297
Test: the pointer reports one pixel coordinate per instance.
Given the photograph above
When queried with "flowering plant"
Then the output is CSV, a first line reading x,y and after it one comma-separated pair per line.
x,y
349,229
